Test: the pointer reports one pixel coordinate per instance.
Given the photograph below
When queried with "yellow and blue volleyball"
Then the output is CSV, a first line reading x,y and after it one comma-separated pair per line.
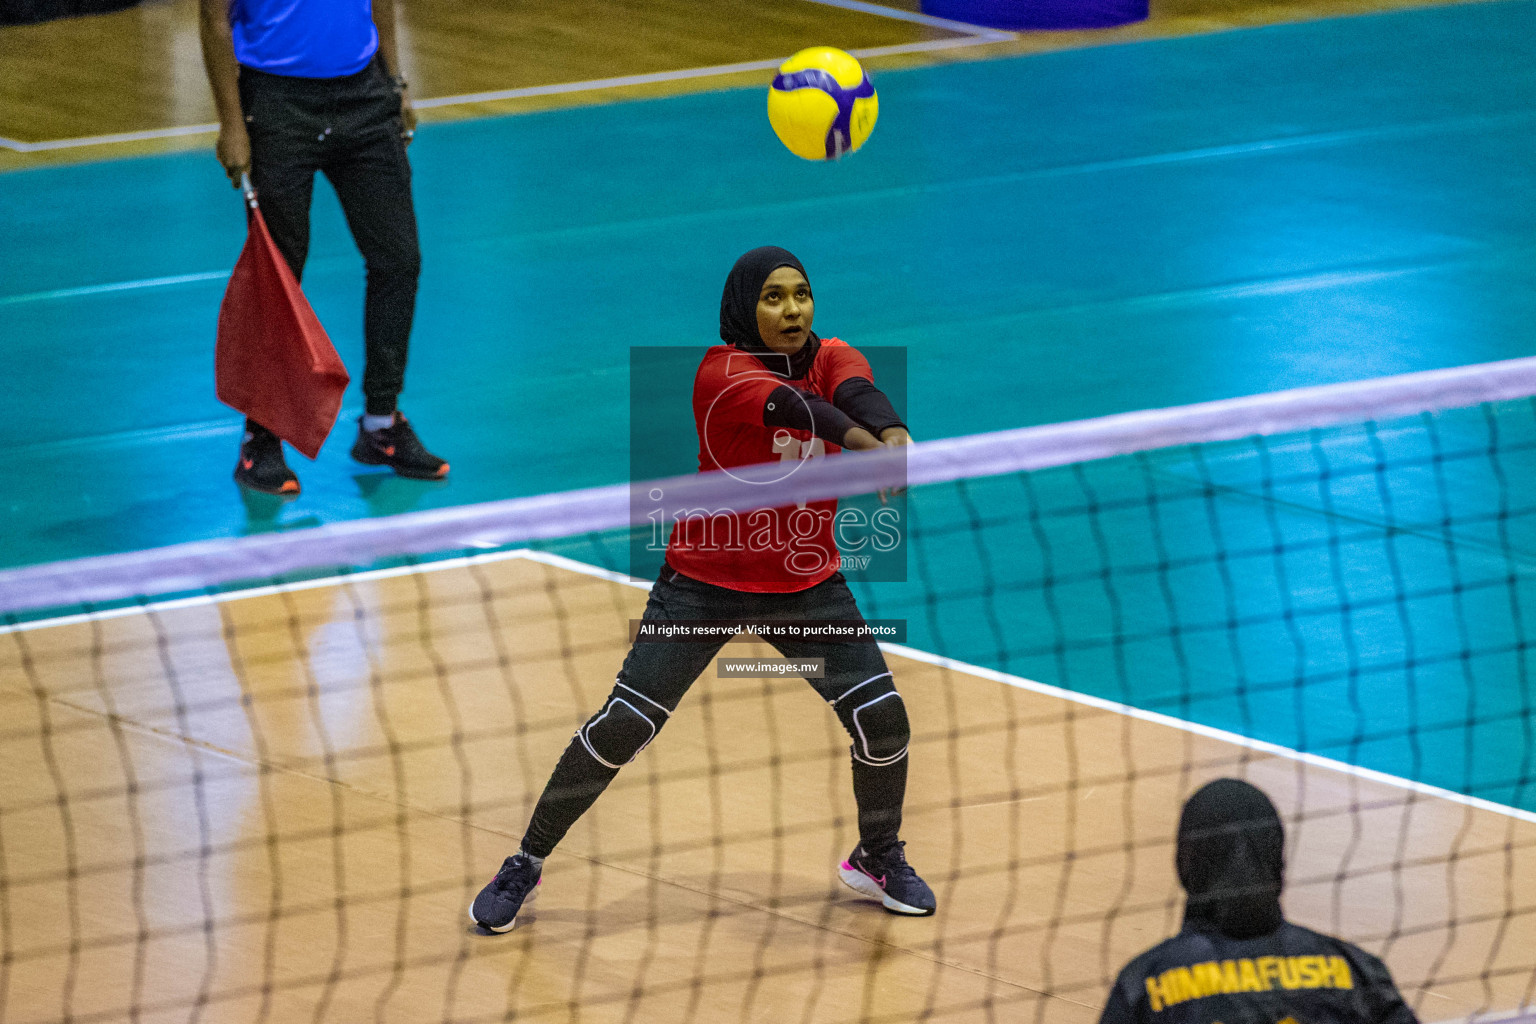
x,y
822,105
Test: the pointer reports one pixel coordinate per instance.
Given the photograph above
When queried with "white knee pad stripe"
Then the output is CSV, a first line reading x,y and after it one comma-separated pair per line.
x,y
838,700
643,697
893,759
869,758
582,732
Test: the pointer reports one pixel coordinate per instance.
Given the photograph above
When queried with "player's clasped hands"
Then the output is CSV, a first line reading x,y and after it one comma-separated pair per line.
x,y
894,437
860,440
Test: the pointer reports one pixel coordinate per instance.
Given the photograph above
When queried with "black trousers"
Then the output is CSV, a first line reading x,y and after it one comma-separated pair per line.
x,y
348,129
657,675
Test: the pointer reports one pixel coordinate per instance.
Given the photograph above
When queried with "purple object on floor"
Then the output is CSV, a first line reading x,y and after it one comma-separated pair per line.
x,y
1039,13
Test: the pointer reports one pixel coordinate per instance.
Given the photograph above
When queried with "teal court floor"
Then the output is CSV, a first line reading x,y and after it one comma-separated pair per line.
x,y
1049,238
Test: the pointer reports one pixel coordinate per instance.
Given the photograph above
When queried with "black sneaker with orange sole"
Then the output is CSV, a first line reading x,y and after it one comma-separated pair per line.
x,y
262,466
397,447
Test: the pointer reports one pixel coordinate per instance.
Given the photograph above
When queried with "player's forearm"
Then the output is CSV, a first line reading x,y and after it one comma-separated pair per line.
x,y
219,59
384,21
802,410
868,405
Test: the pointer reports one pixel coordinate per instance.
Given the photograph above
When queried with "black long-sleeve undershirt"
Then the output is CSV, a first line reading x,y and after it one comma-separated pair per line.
x,y
805,410
867,404
856,403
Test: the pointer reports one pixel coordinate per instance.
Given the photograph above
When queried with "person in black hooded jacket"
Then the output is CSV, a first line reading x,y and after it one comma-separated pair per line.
x,y
1237,960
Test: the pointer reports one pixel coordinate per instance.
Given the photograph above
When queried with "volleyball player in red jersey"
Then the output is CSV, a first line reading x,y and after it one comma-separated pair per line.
x,y
774,390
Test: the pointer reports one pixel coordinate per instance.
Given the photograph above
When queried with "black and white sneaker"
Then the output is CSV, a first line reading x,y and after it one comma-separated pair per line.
x,y
262,466
397,447
888,877
516,884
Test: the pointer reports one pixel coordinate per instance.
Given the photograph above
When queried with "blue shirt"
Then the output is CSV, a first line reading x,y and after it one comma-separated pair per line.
x,y
304,38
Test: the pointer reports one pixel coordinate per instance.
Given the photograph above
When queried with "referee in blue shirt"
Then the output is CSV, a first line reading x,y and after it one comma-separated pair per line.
x,y
314,85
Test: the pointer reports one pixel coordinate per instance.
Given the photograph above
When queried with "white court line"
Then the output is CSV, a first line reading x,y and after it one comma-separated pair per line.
x,y
333,580
900,650
991,35
106,140
1236,739
116,286
968,35
625,81
1047,690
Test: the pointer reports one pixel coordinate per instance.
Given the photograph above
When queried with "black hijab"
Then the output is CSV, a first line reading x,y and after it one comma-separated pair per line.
x,y
1231,860
738,311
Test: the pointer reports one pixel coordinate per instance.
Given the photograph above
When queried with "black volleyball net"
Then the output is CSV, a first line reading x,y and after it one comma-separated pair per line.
x,y
261,780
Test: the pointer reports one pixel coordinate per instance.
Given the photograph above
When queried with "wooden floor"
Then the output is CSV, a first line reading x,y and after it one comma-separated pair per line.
x,y
278,807
145,73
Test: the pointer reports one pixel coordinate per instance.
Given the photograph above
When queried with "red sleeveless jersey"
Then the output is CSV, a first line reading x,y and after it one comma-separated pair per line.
x,y
778,550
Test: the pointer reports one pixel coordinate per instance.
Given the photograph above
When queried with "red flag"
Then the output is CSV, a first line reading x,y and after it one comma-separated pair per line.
x,y
273,360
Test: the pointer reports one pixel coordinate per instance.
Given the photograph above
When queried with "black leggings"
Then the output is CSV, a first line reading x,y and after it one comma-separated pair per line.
x,y
656,675
347,128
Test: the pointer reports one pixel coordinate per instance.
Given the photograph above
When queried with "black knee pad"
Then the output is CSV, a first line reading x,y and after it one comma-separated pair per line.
x,y
616,734
876,719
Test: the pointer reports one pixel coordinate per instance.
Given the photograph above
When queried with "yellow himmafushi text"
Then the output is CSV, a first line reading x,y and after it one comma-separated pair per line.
x,y
1261,974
